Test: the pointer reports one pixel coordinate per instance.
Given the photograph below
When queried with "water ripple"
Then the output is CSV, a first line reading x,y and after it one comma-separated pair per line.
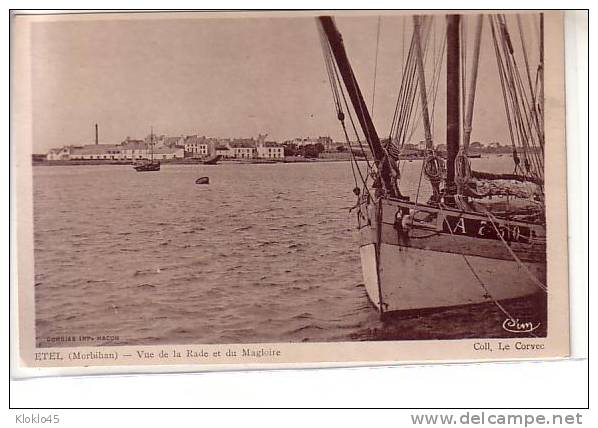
x,y
154,259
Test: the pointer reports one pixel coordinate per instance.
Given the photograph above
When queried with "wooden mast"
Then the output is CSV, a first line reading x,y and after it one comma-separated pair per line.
x,y
152,144
452,98
340,55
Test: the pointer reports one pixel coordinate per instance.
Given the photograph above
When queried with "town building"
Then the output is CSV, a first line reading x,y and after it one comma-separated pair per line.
x,y
196,147
128,150
168,153
140,150
243,148
171,142
166,148
63,153
97,152
135,150
270,150
223,151
326,141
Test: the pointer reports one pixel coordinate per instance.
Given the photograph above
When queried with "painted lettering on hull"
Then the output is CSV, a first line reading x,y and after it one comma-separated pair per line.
x,y
485,229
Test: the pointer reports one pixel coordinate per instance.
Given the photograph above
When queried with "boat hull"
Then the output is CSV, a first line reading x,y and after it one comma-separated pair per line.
x,y
212,160
147,167
432,267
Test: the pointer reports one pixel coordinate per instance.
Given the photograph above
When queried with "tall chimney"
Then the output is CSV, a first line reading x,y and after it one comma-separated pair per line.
x,y
96,133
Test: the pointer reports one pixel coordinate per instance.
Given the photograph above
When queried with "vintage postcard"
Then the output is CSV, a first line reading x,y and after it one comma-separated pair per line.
x,y
210,191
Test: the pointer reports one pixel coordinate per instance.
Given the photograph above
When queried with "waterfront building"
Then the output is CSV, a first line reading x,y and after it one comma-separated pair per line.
x,y
128,150
168,153
326,141
243,148
196,146
171,142
137,151
299,141
96,152
165,148
223,151
270,150
63,153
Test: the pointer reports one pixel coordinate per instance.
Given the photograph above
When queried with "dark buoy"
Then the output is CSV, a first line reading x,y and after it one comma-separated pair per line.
x,y
203,180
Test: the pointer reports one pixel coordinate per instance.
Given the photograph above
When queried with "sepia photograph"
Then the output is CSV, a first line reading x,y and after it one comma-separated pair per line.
x,y
391,182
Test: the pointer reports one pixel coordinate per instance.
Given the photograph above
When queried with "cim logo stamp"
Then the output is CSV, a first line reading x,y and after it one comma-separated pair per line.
x,y
515,326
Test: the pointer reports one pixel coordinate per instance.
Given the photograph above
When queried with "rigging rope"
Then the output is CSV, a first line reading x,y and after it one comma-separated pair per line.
x,y
434,89
413,125
335,83
462,171
522,116
535,280
376,65
476,276
434,168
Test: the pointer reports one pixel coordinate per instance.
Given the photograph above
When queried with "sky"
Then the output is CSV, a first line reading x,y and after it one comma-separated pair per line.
x,y
229,77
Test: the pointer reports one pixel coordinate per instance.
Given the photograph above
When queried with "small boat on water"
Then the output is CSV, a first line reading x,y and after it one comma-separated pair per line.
x,y
203,180
212,160
147,165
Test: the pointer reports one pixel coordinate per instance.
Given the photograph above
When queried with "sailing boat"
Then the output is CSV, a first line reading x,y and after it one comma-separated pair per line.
x,y
146,165
481,237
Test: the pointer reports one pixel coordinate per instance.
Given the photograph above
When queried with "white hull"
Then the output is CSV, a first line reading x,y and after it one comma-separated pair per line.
x,y
412,278
436,270
370,274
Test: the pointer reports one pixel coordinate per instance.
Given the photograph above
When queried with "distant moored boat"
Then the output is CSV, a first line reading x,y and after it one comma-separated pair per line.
x,y
212,160
147,165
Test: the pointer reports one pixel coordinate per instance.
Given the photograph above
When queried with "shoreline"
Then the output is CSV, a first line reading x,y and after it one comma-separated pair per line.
x,y
226,161
182,162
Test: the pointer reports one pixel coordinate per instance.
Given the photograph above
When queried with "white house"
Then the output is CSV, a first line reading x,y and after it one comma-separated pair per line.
x,y
270,150
243,148
244,152
136,151
196,146
63,153
326,141
223,151
164,153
